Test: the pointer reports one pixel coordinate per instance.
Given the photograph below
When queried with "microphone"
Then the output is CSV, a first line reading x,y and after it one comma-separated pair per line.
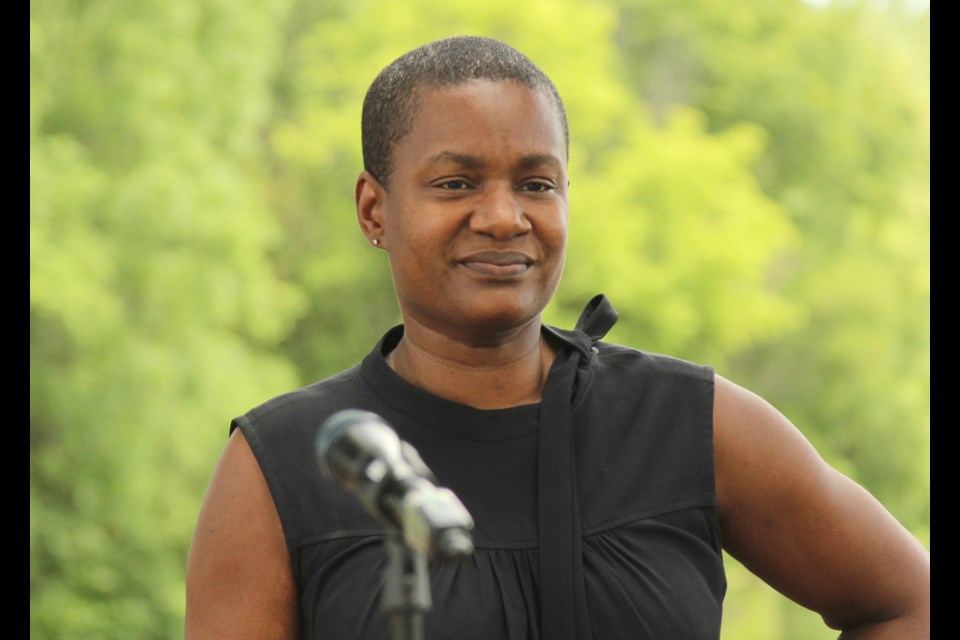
x,y
365,456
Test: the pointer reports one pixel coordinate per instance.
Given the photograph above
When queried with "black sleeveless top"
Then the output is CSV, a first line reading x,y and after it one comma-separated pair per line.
x,y
636,451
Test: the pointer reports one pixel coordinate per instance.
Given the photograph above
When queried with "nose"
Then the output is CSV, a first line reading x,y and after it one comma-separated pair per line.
x,y
499,213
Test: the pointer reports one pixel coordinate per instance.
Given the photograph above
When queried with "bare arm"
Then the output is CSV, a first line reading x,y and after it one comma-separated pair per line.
x,y
240,583
810,532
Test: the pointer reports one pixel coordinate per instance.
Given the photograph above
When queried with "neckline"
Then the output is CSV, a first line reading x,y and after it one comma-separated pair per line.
x,y
440,414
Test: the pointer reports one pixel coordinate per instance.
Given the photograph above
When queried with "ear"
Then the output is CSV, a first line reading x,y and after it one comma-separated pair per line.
x,y
370,198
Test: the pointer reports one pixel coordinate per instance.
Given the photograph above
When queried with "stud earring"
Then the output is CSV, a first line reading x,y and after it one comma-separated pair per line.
x,y
376,242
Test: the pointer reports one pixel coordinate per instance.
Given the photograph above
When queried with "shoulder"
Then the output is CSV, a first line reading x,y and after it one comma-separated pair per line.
x,y
304,406
634,386
618,357
650,377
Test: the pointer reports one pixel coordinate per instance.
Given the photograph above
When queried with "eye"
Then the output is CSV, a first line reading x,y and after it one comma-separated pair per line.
x,y
537,186
453,185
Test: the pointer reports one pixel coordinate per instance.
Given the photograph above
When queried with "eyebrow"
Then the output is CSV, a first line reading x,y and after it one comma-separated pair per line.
x,y
473,162
462,159
540,159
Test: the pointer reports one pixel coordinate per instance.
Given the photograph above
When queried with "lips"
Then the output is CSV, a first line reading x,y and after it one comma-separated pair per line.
x,y
497,263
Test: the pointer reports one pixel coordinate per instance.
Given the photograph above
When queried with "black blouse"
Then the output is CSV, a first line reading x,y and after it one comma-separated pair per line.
x,y
646,563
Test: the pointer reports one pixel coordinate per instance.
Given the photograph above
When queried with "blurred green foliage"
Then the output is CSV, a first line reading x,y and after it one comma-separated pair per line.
x,y
749,187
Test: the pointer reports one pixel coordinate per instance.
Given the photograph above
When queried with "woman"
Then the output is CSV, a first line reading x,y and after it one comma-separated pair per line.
x,y
604,481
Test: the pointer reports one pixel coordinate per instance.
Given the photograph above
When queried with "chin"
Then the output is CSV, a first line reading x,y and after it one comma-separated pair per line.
x,y
472,314
499,314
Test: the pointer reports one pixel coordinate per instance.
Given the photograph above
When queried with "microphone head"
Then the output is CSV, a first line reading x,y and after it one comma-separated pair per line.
x,y
365,456
343,448
333,427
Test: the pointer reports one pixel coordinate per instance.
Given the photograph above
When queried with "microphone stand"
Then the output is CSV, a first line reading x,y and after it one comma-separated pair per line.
x,y
406,588
435,526
366,457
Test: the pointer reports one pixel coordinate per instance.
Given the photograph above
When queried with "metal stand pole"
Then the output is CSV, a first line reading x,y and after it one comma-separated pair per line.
x,y
406,589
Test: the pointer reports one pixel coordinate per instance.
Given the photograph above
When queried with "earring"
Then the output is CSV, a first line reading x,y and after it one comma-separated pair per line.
x,y
376,241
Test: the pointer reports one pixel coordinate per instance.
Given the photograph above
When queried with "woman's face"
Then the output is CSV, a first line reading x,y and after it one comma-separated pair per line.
x,y
475,220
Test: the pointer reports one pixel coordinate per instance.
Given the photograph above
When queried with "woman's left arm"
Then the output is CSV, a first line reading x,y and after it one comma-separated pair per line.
x,y
809,531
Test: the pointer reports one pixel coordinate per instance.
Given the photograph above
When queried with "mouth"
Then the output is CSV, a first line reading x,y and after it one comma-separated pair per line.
x,y
497,263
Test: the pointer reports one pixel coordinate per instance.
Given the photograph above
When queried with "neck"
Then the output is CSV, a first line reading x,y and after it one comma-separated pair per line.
x,y
495,374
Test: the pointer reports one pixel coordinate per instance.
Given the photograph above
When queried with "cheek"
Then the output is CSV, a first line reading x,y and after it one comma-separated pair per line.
x,y
418,257
556,240
554,231
420,223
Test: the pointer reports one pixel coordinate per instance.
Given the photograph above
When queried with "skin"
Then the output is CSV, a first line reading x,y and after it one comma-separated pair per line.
x,y
474,222
810,532
475,226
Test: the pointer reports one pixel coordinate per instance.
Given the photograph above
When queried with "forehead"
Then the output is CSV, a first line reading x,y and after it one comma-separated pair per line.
x,y
483,118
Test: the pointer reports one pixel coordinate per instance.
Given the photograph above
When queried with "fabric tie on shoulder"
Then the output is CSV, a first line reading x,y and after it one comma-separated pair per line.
x,y
597,318
563,605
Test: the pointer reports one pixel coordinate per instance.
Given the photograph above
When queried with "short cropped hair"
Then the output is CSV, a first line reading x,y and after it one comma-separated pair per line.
x,y
393,97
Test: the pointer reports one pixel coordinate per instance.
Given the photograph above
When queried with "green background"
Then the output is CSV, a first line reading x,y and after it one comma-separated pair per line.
x,y
750,187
